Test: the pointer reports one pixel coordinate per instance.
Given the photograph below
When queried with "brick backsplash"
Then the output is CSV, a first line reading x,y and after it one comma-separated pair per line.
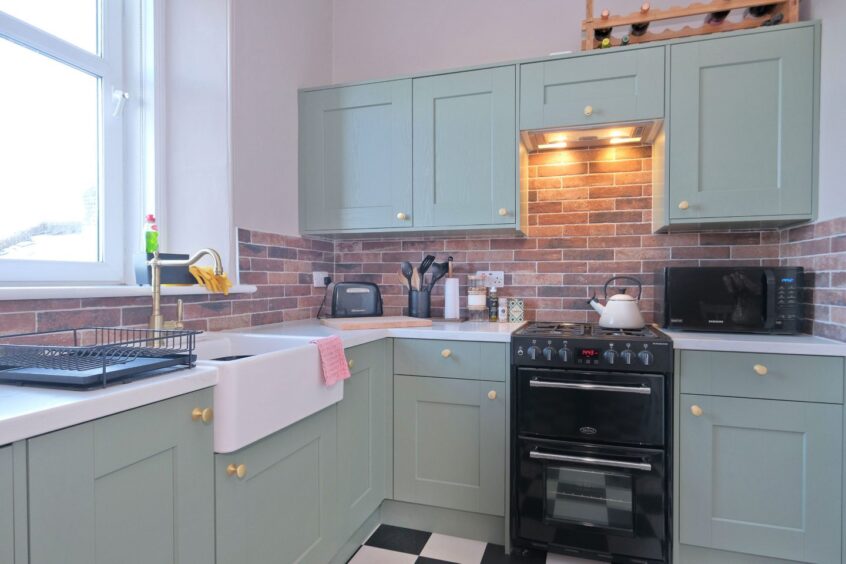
x,y
589,219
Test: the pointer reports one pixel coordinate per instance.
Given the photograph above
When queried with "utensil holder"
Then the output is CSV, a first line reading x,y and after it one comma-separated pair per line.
x,y
419,303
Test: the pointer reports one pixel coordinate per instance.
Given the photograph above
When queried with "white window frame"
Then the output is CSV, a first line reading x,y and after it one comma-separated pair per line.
x,y
109,68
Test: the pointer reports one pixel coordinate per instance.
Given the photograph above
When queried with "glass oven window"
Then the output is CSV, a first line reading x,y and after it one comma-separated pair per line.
x,y
594,498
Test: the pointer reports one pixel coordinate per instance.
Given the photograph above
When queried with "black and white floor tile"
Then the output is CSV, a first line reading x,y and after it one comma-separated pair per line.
x,y
397,545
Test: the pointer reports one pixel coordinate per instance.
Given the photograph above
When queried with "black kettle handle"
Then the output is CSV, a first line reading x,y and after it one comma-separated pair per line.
x,y
635,280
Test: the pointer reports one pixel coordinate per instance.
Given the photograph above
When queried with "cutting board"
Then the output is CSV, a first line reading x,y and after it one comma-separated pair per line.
x,y
376,322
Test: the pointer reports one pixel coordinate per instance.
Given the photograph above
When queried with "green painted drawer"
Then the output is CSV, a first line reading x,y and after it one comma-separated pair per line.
x,y
787,377
467,360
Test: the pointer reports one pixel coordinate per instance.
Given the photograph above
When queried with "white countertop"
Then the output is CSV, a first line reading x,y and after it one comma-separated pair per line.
x,y
448,330
772,344
27,411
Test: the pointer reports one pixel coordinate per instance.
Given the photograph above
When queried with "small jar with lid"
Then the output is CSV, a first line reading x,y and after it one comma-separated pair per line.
x,y
477,298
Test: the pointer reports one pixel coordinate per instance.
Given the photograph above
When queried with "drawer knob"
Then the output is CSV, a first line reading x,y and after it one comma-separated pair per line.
x,y
503,212
350,363
492,395
696,410
446,353
238,470
205,415
588,111
402,216
684,204
760,369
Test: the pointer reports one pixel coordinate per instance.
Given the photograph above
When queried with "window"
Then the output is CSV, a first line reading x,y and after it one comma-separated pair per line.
x,y
62,144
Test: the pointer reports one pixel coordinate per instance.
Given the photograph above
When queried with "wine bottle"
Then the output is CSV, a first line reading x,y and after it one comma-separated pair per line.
x,y
717,17
601,33
639,29
605,43
758,11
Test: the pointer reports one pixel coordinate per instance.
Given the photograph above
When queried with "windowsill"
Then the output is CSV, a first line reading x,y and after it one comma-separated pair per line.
x,y
60,292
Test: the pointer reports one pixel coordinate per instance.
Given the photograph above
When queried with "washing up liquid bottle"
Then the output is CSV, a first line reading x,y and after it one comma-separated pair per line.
x,y
151,234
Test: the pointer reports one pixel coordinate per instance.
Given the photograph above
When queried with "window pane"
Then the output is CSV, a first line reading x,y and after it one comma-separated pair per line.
x,y
75,21
49,159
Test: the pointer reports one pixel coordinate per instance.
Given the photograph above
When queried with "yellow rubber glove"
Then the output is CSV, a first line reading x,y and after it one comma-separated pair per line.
x,y
205,276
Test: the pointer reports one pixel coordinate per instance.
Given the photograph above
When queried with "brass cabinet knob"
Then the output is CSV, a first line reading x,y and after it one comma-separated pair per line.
x,y
200,414
503,212
350,363
446,353
492,395
760,369
238,470
684,204
402,216
588,111
696,410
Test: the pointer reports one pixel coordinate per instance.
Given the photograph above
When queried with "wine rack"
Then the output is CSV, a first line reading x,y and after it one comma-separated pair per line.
x,y
598,31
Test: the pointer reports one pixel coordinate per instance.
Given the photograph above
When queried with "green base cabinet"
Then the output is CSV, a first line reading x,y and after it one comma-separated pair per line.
x,y
364,451
742,140
132,488
449,443
276,498
13,505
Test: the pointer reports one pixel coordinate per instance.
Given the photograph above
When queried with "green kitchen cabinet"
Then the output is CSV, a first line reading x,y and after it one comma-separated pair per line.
x,y
467,360
276,498
364,450
136,487
355,158
13,504
759,477
603,87
742,136
465,149
449,443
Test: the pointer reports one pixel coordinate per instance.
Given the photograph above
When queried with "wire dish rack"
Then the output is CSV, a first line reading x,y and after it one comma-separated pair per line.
x,y
93,356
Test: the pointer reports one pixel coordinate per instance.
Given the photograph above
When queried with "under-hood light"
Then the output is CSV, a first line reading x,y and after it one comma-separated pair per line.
x,y
558,145
620,140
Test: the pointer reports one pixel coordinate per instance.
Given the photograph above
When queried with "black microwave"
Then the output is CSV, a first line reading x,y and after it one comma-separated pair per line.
x,y
731,299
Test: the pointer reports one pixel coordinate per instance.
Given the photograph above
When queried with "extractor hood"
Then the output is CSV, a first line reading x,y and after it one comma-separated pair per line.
x,y
609,135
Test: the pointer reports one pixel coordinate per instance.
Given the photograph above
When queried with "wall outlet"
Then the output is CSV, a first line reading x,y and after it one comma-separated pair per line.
x,y
317,278
492,277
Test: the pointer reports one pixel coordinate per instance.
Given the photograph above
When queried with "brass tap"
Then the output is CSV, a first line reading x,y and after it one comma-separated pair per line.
x,y
156,318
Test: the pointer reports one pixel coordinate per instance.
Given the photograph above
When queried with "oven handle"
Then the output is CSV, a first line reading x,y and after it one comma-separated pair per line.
x,y
587,460
535,383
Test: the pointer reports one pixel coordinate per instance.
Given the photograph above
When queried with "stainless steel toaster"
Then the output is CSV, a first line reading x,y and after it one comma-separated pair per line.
x,y
356,299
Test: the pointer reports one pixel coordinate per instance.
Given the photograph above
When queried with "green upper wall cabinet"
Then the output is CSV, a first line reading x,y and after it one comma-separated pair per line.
x,y
593,89
465,149
276,498
364,452
134,488
355,158
742,139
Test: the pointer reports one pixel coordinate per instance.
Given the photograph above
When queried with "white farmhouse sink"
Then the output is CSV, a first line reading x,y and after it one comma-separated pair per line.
x,y
265,383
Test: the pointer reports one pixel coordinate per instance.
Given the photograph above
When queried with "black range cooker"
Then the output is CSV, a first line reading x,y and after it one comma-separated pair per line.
x,y
591,438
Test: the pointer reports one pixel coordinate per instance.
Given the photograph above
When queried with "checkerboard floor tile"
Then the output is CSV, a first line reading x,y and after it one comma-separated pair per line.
x,y
398,545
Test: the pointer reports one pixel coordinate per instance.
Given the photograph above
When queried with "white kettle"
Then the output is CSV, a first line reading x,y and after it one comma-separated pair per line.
x,y
621,310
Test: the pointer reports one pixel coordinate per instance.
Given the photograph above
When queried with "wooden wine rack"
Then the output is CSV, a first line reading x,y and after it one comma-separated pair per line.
x,y
789,10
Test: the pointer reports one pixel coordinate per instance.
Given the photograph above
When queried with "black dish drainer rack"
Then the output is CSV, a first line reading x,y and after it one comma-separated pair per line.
x,y
93,356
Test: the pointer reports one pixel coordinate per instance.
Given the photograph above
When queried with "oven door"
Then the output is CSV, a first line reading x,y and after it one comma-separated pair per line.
x,y
604,407
594,499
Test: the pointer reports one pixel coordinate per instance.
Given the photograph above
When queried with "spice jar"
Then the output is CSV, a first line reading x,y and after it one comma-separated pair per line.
x,y
477,296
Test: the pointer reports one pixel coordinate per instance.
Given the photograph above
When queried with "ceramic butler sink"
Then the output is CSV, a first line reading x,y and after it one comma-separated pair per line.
x,y
266,383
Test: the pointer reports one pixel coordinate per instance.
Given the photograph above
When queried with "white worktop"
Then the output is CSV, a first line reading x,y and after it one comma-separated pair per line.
x,y
771,344
447,330
27,411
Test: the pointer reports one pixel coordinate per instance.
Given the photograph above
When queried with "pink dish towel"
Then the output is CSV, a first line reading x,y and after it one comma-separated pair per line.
x,y
332,359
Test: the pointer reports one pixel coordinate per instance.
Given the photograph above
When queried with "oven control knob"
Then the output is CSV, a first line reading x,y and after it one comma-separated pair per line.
x,y
564,354
645,358
548,353
627,356
534,352
610,356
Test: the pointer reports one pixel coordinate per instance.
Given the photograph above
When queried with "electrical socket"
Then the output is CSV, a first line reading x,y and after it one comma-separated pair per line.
x,y
492,277
317,278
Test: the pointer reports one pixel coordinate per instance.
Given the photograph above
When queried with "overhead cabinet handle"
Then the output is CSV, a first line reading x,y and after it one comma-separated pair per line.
x,y
537,455
535,383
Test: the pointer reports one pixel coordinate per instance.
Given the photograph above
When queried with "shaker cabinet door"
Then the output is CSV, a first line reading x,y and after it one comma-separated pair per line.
x,y
465,149
761,477
13,504
742,127
355,157
135,488
449,443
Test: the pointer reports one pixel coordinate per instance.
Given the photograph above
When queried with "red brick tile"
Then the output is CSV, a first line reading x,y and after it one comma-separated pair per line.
x,y
91,317
616,166
616,217
23,322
